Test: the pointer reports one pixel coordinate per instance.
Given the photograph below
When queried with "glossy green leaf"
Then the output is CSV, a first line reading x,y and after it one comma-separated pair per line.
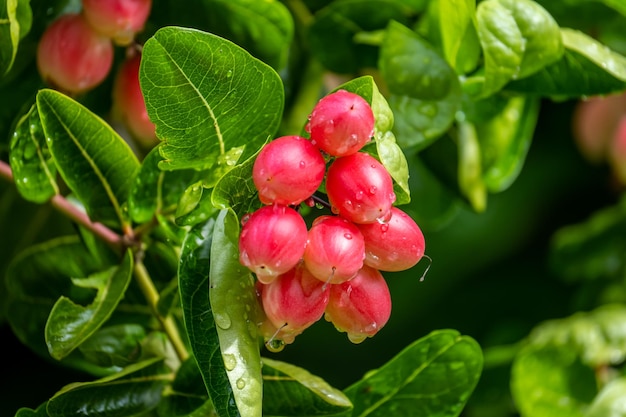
x,y
505,140
470,173
156,191
434,376
33,168
610,400
425,92
117,345
457,22
233,302
592,249
195,205
518,37
587,68
94,161
289,390
136,389
70,324
207,96
35,279
237,191
264,28
15,21
333,35
550,382
193,276
597,337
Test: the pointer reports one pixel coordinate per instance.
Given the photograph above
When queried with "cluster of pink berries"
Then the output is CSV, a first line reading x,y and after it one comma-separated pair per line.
x,y
331,268
76,53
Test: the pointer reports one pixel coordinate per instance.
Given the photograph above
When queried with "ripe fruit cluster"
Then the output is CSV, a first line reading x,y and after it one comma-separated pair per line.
x,y
332,268
76,53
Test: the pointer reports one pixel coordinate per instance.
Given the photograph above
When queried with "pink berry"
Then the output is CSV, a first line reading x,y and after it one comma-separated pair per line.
x,y
360,189
294,301
288,170
129,105
393,246
341,123
119,20
72,57
360,307
335,249
272,241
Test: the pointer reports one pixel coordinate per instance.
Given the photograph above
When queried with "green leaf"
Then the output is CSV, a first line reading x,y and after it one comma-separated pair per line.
x,y
457,22
597,337
550,382
206,96
610,401
70,324
518,37
193,276
27,412
289,390
236,190
264,28
188,393
195,205
592,249
117,345
33,168
15,21
135,390
435,375
425,93
505,140
334,33
94,161
587,68
470,174
35,279
155,191
233,302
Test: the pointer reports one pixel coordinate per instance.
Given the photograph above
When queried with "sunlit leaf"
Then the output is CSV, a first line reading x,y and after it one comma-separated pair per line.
x,y
610,400
94,161
434,376
206,96
457,20
233,303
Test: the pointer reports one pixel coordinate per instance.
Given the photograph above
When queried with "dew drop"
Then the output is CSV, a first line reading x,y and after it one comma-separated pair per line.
x,y
373,189
223,321
348,236
356,338
229,361
334,209
229,73
302,164
384,227
275,345
359,195
241,383
348,203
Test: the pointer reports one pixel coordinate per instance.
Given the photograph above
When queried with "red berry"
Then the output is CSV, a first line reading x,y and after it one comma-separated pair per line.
x,y
294,301
341,123
288,170
335,249
129,105
72,57
360,307
119,20
393,246
272,241
360,189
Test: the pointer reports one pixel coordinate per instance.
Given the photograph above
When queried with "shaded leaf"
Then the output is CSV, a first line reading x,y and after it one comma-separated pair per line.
x,y
70,324
195,205
188,394
94,161
425,92
435,375
289,390
206,96
117,345
193,275
457,21
233,302
470,174
33,168
15,21
134,390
